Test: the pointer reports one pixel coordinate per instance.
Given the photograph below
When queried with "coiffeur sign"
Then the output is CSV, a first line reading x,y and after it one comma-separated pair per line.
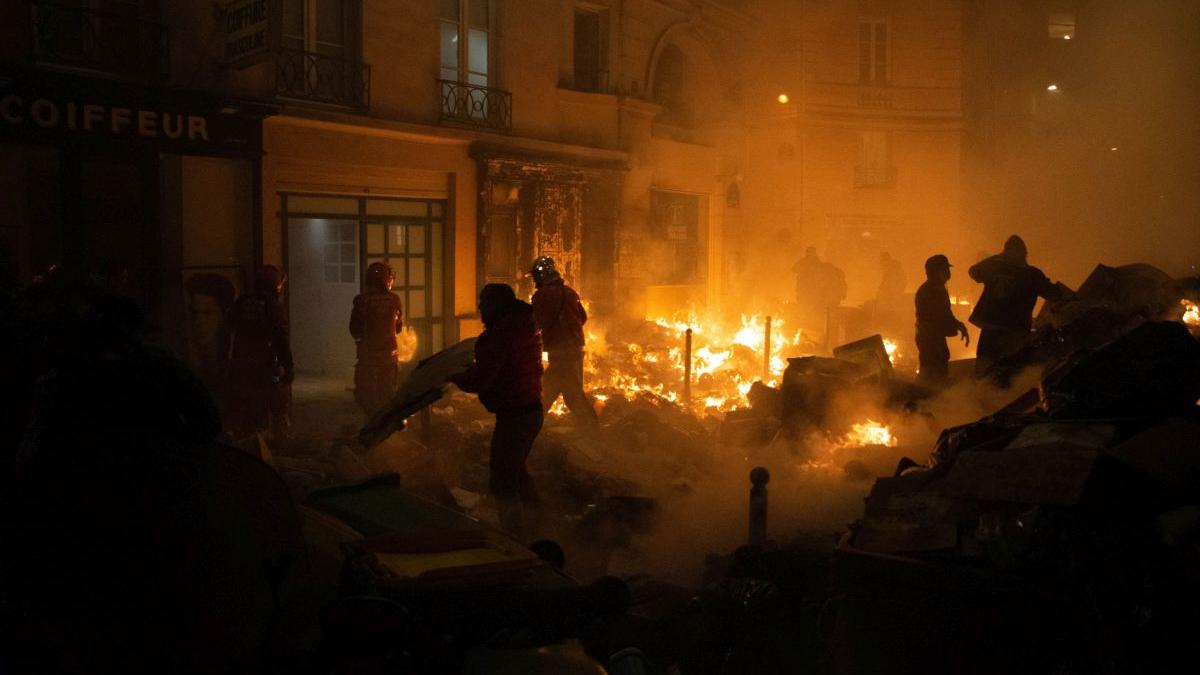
x,y
53,109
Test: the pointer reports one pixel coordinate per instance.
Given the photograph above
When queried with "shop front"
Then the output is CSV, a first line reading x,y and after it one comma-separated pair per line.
x,y
154,186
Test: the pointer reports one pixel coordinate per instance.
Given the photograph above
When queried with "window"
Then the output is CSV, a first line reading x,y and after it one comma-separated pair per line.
x,y
873,52
465,44
318,59
669,87
675,232
874,161
341,253
590,73
407,234
1061,26
317,26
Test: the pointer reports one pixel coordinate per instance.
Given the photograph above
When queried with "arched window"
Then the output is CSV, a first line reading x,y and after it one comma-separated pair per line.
x,y
669,87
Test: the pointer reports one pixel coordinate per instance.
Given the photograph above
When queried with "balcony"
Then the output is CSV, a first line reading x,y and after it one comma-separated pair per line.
x,y
308,76
475,106
874,176
117,44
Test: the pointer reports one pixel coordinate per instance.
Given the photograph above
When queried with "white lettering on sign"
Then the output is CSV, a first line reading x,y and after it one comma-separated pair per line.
x,y
245,29
16,110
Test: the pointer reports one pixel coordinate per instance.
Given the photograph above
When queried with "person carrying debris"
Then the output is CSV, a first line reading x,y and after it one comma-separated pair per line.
x,y
560,316
375,321
260,364
1004,313
507,376
936,322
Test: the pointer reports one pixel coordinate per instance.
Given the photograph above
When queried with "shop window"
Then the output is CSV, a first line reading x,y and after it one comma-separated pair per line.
x,y
590,71
675,228
466,45
873,52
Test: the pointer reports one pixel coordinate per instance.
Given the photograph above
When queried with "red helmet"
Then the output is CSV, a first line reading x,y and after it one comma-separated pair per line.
x,y
380,275
269,278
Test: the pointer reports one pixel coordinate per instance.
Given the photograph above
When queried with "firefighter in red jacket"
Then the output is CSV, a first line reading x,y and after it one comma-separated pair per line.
x,y
560,316
377,318
260,363
507,376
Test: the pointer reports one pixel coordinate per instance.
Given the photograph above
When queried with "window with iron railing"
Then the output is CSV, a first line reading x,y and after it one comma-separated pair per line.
x,y
873,52
874,167
317,59
115,38
465,85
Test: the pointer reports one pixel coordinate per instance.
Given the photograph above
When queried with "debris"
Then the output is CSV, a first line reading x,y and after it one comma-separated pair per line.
x,y
466,499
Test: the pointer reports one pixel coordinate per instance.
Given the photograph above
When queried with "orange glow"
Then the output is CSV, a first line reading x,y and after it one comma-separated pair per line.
x,y
1191,313
782,98
867,433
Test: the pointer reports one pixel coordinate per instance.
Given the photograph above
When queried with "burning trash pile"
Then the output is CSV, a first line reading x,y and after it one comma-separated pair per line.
x,y
1068,521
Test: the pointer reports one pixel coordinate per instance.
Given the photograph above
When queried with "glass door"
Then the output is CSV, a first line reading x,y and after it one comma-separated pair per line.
x,y
407,234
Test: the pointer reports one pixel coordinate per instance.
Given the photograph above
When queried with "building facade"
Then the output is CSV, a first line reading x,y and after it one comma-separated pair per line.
x,y
642,143
857,123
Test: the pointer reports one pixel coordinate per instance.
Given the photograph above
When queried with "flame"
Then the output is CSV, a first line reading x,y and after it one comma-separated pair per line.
x,y
559,408
867,433
892,350
726,359
1191,313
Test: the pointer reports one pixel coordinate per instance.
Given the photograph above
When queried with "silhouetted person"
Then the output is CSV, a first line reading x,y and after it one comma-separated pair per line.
x,y
936,322
893,282
261,368
560,316
1004,313
819,286
507,376
377,317
210,298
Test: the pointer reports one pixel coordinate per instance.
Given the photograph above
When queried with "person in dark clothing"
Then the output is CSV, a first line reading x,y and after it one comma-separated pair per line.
x,y
893,282
507,376
377,317
560,316
1004,313
936,322
819,286
261,368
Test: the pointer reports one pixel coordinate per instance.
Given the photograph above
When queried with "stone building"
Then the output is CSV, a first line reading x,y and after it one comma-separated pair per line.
x,y
639,142
855,126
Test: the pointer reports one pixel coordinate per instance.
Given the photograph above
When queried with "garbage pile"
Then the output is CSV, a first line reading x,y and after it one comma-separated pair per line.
x,y
1073,513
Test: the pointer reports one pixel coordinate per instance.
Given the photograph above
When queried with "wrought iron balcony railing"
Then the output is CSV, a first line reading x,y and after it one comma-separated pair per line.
x,y
125,45
476,106
874,97
874,176
323,79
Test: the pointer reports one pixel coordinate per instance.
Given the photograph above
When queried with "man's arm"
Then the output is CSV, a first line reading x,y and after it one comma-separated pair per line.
x,y
489,357
578,308
282,341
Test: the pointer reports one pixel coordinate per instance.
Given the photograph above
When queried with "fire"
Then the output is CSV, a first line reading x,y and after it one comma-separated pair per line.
x,y
867,433
892,350
726,359
1191,313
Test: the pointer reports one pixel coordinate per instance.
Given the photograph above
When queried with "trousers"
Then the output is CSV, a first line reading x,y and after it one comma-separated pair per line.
x,y
564,375
516,496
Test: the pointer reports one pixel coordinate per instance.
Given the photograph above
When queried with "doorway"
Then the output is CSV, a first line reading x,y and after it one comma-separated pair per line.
x,y
330,241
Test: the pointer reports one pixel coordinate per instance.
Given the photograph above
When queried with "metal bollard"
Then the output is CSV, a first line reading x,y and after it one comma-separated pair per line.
x,y
759,477
766,377
687,369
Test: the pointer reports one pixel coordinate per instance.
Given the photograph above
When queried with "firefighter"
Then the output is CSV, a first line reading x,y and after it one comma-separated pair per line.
x,y
936,322
377,318
507,376
560,316
1004,313
260,364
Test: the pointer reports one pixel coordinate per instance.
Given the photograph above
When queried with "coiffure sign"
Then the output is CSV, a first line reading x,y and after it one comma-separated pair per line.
x,y
41,107
95,118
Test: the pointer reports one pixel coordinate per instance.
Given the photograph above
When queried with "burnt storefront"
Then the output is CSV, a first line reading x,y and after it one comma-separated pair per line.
x,y
562,207
155,186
